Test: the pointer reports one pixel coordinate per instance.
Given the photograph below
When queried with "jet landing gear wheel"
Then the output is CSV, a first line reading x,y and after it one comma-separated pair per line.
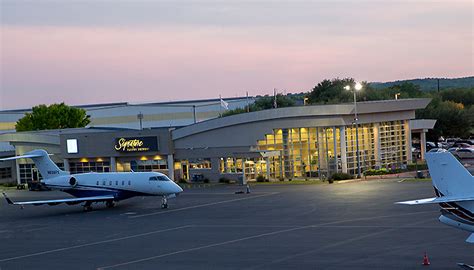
x,y
88,206
164,202
110,204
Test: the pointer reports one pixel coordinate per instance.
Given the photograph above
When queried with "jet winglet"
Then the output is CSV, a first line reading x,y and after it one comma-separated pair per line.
x,y
6,198
470,239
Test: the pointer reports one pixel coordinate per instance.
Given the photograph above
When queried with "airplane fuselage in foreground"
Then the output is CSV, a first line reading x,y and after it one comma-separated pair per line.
x,y
454,189
121,185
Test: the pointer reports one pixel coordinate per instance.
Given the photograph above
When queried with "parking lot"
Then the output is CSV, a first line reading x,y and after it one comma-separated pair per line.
x,y
338,226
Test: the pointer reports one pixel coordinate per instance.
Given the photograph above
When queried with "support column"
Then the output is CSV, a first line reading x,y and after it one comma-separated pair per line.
x,y
267,165
244,180
334,138
113,164
423,144
17,167
226,170
66,165
377,146
408,141
342,131
171,166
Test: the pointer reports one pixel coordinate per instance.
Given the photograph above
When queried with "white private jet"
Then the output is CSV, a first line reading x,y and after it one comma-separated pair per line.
x,y
454,188
93,187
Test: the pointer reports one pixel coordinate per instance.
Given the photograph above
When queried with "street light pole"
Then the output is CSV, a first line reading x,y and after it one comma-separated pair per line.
x,y
357,87
357,134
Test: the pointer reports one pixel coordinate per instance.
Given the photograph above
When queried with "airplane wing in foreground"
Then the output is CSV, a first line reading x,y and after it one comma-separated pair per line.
x,y
58,201
443,199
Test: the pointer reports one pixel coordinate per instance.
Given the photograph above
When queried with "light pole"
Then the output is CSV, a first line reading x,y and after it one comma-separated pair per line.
x,y
140,118
357,87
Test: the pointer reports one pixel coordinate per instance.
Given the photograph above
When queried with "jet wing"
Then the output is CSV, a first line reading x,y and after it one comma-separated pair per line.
x,y
435,200
58,201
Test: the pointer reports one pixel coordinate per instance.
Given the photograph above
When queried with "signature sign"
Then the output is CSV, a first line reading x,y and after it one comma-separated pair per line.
x,y
140,144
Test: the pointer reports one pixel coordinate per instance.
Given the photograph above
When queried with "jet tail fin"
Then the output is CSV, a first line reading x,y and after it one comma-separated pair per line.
x,y
43,162
449,176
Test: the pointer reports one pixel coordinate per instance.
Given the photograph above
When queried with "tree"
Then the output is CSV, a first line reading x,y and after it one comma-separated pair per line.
x,y
54,116
331,91
460,95
264,103
453,120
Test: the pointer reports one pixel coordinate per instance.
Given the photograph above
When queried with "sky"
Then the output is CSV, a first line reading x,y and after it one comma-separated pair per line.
x,y
102,51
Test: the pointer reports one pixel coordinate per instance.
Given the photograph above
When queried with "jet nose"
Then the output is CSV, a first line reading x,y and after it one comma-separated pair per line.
x,y
177,188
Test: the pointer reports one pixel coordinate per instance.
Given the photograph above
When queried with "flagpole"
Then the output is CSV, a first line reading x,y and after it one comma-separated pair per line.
x,y
248,106
274,98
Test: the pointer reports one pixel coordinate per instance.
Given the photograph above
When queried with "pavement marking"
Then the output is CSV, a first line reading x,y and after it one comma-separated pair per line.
x,y
202,247
93,243
323,226
220,193
333,245
269,234
203,205
129,213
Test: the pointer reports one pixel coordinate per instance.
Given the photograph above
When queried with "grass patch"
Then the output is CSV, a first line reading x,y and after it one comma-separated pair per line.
x,y
5,188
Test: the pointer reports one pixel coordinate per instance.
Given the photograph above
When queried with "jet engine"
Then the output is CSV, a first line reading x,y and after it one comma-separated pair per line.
x,y
61,182
72,182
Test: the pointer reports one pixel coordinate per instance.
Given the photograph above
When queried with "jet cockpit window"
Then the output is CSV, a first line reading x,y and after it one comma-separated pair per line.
x,y
159,178
162,178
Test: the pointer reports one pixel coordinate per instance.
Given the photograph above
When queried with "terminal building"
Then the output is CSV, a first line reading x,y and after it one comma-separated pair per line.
x,y
283,143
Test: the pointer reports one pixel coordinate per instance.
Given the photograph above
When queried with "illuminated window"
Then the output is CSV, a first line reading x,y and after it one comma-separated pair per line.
x,y
71,146
200,163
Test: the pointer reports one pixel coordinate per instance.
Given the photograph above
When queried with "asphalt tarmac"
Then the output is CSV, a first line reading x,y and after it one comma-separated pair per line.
x,y
338,226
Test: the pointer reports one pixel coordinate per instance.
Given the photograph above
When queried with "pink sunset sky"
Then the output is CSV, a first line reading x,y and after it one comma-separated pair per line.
x,y
98,51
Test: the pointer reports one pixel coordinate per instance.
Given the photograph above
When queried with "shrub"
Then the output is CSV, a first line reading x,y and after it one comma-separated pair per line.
x,y
206,181
261,178
224,180
396,171
9,184
415,167
340,176
376,172
182,181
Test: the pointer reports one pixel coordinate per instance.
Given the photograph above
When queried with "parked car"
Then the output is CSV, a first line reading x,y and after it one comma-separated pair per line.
x,y
464,153
470,142
461,145
429,146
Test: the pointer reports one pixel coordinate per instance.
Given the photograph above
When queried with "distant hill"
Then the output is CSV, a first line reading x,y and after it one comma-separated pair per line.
x,y
431,84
